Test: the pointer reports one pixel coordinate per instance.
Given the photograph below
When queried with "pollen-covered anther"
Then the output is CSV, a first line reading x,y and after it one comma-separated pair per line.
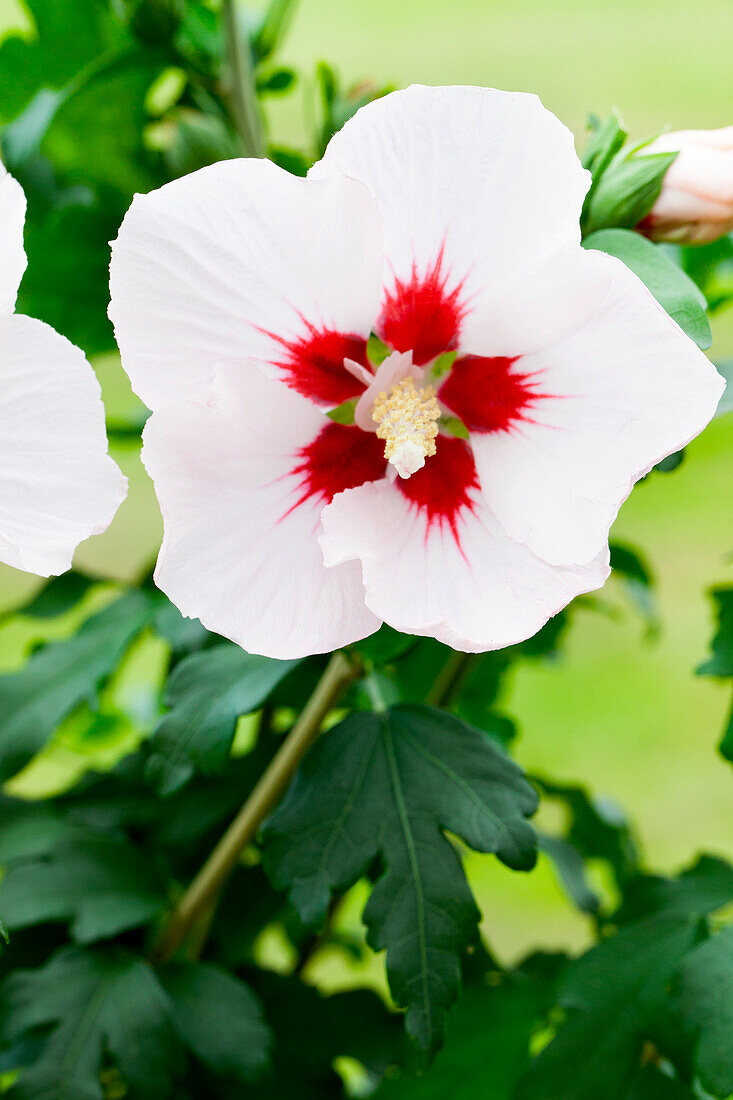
x,y
407,419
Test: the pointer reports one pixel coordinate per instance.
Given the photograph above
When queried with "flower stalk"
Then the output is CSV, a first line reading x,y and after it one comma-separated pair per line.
x,y
198,902
242,85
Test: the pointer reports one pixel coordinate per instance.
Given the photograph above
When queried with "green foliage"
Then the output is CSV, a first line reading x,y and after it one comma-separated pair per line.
x,y
207,693
488,1038
219,1019
673,289
613,995
703,1004
625,192
606,139
721,661
63,674
98,1004
101,884
141,92
414,771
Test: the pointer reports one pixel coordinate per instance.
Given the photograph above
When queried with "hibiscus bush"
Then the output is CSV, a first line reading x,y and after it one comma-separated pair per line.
x,y
395,383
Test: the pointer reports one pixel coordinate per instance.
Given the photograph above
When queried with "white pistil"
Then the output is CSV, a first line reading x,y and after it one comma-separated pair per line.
x,y
407,420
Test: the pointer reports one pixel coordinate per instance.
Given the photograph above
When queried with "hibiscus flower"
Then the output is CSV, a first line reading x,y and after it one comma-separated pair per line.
x,y
57,483
464,486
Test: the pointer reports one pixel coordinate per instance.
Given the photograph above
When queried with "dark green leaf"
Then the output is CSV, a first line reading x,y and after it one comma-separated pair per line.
x,y
387,785
653,1084
60,676
487,1045
385,645
290,159
612,994
625,192
156,21
191,140
218,1018
700,889
183,635
98,1004
634,572
32,829
207,693
703,1004
275,81
671,462
674,290
57,596
572,872
721,661
726,745
597,829
100,884
86,29
311,1030
67,279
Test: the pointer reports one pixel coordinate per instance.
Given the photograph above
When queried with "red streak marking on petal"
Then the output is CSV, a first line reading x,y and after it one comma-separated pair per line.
x,y
486,394
442,488
314,364
420,315
340,457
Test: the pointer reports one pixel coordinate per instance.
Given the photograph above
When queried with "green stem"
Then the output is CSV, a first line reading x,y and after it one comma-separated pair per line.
x,y
243,87
198,902
449,679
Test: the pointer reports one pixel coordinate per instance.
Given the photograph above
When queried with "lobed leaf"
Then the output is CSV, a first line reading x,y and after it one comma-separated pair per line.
x,y
387,785
101,884
207,693
97,1004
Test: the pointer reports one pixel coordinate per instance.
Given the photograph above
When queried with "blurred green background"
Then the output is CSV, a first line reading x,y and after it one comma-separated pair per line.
x,y
619,711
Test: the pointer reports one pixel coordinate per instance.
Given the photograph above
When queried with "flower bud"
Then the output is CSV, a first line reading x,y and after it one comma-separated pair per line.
x,y
696,201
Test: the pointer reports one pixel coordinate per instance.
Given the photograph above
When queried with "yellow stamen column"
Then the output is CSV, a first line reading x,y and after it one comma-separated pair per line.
x,y
407,419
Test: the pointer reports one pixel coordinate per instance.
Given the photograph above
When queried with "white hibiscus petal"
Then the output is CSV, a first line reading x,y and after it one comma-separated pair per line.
x,y
58,485
488,182
477,592
627,389
207,268
239,552
12,254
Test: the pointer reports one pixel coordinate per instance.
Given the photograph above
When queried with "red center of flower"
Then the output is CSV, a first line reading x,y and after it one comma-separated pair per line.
x,y
314,364
339,458
487,393
421,315
442,488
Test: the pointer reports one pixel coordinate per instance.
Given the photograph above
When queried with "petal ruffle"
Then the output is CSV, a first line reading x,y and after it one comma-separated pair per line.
x,y
481,193
465,583
240,261
624,391
12,254
240,549
58,485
